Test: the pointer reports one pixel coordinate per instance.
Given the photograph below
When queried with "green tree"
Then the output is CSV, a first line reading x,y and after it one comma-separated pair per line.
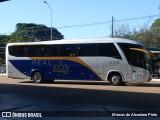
x,y
2,51
149,36
124,31
4,38
33,32
2,61
156,24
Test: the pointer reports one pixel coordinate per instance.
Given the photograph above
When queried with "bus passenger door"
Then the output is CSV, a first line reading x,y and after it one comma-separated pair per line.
x,y
137,69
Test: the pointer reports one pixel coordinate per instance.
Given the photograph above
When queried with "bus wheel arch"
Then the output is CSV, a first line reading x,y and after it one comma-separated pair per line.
x,y
115,78
36,76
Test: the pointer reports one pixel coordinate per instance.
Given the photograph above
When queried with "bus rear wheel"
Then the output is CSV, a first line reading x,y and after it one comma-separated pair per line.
x,y
37,77
115,79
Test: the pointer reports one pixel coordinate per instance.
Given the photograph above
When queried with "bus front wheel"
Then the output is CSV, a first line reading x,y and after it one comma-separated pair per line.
x,y
115,79
37,77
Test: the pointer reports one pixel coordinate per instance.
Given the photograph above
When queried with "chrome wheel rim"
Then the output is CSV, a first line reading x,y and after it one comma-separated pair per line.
x,y
37,77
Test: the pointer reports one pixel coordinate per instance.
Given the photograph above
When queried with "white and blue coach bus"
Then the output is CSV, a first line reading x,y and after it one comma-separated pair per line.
x,y
113,59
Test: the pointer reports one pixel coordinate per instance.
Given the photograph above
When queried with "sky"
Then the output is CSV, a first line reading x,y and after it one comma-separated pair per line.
x,y
78,12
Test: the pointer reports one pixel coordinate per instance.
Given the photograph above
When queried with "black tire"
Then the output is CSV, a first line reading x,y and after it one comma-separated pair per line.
x,y
37,77
115,79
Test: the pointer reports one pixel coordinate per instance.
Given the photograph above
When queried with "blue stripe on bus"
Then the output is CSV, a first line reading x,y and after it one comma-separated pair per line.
x,y
55,69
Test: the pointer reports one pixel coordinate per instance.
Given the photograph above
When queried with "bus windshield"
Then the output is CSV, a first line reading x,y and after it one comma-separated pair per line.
x,y
135,55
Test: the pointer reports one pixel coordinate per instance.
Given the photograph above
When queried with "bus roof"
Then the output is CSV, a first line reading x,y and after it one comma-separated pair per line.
x,y
78,41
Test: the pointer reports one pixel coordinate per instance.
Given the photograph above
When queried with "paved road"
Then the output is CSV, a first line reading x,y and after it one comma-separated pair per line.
x,y
24,95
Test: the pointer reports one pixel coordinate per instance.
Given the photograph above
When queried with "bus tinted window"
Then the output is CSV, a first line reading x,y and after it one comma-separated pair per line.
x,y
68,50
49,50
87,50
17,51
127,51
138,59
109,50
33,51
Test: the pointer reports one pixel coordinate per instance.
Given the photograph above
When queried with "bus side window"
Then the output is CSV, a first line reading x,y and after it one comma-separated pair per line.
x,y
87,49
17,51
108,50
49,50
34,51
11,50
45,51
25,51
68,50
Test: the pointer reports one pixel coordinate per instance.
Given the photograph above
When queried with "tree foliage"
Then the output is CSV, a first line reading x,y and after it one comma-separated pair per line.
x,y
4,38
2,53
2,61
149,36
28,33
33,32
156,24
124,31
